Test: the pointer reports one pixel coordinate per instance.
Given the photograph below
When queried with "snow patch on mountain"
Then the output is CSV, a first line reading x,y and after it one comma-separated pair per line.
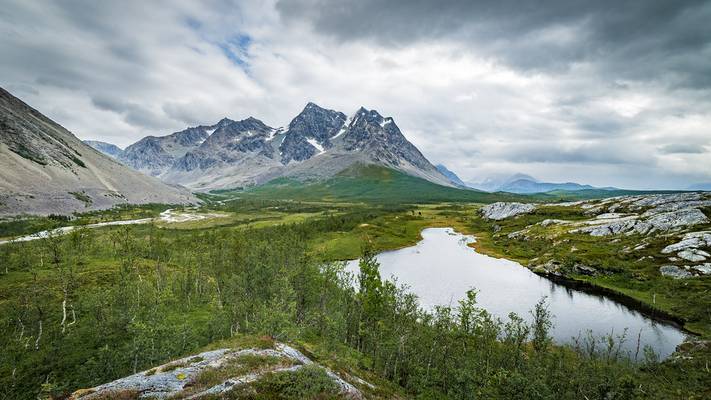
x,y
317,145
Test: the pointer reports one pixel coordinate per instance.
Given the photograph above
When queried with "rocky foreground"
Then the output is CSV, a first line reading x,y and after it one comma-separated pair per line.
x,y
681,218
217,373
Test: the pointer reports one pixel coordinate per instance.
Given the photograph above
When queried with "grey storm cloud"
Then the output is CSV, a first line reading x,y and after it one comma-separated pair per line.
x,y
682,148
628,38
134,114
614,153
612,93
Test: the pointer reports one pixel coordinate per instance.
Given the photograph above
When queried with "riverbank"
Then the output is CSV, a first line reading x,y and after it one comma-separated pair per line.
x,y
616,265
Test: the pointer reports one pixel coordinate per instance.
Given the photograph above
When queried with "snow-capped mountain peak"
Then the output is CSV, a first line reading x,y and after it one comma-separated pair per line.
x,y
246,152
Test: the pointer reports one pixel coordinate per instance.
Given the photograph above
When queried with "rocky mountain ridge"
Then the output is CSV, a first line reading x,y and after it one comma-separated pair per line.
x,y
109,149
46,169
451,175
317,143
154,155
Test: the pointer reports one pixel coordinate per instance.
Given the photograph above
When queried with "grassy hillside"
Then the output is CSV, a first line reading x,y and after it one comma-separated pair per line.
x,y
370,183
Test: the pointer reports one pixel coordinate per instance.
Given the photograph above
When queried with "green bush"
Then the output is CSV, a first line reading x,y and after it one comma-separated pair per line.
x,y
308,382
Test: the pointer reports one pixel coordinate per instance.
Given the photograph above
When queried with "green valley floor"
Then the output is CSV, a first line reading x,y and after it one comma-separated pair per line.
x,y
95,305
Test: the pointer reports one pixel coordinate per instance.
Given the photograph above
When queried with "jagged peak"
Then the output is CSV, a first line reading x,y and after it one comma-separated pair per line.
x,y
364,111
311,105
251,122
371,116
224,121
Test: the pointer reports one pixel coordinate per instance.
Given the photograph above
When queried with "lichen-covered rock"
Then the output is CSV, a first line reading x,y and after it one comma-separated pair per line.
x,y
692,240
658,200
551,267
614,224
176,379
693,255
610,216
607,227
584,270
674,272
679,218
548,222
704,269
503,210
518,234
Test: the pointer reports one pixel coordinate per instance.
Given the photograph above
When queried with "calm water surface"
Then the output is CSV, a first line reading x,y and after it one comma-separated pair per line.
x,y
441,268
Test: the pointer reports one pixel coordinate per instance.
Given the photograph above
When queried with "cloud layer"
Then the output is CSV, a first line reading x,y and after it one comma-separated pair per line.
x,y
607,93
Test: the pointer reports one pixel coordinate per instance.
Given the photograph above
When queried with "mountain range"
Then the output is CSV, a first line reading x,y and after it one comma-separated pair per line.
x,y
107,148
45,169
526,184
317,144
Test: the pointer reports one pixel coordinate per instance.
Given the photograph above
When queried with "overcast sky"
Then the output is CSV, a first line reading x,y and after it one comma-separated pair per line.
x,y
609,93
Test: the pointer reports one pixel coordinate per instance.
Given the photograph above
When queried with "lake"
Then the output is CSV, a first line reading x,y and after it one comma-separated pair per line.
x,y
441,268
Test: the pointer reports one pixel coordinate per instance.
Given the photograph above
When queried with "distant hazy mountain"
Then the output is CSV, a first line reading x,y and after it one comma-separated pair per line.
x,y
109,149
493,184
526,184
451,175
46,169
700,186
317,144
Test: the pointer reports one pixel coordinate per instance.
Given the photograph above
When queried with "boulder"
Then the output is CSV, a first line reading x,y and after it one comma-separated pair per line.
x,y
551,267
503,210
674,272
518,234
704,269
693,255
584,270
692,240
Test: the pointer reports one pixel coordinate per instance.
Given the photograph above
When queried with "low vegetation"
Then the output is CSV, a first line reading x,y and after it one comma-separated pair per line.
x,y
95,305
83,197
25,225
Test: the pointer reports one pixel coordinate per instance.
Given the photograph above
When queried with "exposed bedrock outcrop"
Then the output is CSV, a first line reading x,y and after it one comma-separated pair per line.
x,y
179,379
503,210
